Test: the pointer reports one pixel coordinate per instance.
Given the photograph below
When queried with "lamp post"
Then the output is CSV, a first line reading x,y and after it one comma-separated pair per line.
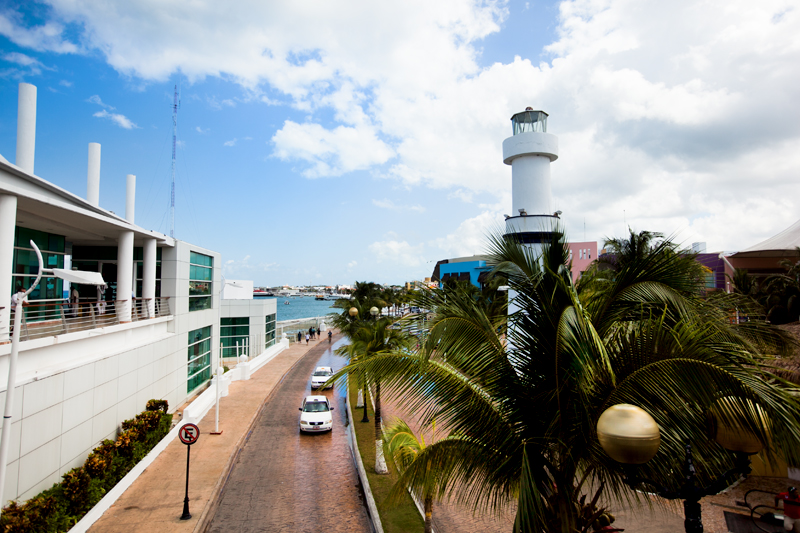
x,y
629,435
353,312
374,312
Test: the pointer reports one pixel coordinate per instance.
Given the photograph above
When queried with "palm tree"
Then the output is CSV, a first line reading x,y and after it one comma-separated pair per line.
x,y
405,448
525,411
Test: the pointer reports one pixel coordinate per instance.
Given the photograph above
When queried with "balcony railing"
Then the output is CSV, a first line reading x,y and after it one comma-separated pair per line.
x,y
45,318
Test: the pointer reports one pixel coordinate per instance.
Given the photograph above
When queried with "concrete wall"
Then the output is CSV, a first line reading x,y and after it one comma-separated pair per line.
x,y
75,390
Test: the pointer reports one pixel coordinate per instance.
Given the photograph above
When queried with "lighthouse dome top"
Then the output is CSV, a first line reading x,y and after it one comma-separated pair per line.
x,y
529,120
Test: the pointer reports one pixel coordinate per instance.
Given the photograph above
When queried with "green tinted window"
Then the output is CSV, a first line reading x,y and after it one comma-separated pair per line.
x,y
199,288
198,358
200,259
199,273
198,303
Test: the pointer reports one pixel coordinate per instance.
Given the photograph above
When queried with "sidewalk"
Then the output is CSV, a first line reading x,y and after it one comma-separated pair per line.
x,y
154,502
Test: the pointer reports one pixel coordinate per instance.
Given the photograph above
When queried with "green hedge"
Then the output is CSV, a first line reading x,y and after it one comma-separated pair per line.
x,y
61,506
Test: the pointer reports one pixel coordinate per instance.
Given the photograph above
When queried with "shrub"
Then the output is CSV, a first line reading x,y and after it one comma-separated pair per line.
x,y
61,506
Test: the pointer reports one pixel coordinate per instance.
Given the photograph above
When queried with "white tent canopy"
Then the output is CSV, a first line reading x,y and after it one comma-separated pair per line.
x,y
78,276
780,245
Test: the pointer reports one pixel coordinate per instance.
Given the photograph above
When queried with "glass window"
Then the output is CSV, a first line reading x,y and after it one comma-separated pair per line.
x,y
25,264
201,269
269,337
233,331
199,358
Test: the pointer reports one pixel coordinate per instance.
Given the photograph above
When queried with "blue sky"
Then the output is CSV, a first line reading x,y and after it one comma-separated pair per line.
x,y
328,142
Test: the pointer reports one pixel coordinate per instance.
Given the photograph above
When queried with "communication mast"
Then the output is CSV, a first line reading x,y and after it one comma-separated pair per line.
x,y
175,105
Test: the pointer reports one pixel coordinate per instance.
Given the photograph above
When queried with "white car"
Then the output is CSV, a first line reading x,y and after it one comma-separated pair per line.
x,y
320,376
316,416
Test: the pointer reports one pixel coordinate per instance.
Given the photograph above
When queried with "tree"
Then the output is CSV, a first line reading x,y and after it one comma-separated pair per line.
x,y
524,398
407,449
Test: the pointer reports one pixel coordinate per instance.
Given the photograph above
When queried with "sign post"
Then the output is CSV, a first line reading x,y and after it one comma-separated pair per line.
x,y
189,433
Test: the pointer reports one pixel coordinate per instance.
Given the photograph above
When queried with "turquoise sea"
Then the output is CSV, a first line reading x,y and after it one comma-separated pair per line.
x,y
302,307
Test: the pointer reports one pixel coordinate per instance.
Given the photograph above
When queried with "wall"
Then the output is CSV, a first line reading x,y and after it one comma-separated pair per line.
x,y
74,390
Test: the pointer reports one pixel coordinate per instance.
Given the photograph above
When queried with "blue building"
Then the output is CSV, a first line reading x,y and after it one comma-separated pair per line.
x,y
472,269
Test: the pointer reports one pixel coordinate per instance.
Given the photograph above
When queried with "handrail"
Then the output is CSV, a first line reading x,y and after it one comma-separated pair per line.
x,y
56,317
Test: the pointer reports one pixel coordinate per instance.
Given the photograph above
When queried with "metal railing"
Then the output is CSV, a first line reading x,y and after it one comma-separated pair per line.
x,y
45,318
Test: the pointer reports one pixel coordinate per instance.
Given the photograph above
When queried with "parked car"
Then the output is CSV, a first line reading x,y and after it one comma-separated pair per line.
x,y
316,414
320,376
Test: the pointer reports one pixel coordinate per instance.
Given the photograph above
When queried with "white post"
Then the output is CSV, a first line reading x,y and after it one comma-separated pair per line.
x,y
26,127
237,352
150,254
220,372
124,275
93,175
8,412
130,197
8,219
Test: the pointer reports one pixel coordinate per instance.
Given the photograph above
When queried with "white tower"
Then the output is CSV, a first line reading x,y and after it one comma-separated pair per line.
x,y
529,151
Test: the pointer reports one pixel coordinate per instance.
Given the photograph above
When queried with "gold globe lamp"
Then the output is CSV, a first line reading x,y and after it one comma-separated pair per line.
x,y
374,311
628,434
353,312
730,431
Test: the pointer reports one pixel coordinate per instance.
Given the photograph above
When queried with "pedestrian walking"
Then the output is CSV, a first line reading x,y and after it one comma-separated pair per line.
x,y
307,336
299,337
330,334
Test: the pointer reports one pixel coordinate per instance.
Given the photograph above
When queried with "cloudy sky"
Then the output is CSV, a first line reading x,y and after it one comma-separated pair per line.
x,y
331,141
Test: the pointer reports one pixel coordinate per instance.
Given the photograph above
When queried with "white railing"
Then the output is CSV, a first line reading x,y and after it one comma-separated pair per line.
x,y
45,318
247,345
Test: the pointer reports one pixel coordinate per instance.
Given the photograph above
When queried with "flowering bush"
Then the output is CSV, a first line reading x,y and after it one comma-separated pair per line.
x,y
61,506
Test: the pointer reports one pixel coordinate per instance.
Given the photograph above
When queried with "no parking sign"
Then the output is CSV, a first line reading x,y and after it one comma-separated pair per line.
x,y
189,433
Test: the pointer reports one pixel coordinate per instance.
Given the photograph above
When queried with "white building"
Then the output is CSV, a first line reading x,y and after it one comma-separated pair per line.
x,y
85,368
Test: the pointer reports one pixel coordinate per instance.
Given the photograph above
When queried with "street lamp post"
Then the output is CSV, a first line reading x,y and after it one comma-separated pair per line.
x,y
374,312
353,312
630,436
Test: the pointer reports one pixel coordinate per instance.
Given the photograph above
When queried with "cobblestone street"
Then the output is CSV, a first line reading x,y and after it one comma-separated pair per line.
x,y
287,481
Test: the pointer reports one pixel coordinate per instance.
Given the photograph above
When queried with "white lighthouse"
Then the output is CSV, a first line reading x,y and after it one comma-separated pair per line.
x,y
529,151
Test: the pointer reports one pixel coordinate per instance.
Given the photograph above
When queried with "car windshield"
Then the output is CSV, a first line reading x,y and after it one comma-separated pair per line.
x,y
315,407
322,373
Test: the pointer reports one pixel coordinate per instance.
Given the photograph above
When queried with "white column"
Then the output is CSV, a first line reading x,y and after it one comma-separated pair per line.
x,y
8,220
149,276
130,197
93,175
124,274
26,127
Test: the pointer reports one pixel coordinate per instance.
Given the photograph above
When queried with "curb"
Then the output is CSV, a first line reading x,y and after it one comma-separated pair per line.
x,y
210,510
362,474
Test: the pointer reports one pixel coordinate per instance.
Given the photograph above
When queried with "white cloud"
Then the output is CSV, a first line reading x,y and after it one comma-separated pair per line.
x,y
244,267
352,264
33,65
45,38
201,131
65,83
232,142
95,99
398,253
120,120
388,204
330,152
470,236
676,114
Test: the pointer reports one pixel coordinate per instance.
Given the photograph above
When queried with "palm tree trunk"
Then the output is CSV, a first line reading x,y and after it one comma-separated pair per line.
x,y
428,514
380,460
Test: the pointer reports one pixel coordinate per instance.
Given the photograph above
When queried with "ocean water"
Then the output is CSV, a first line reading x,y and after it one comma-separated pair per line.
x,y
303,307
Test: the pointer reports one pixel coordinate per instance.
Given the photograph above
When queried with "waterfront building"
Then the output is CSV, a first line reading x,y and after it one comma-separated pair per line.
x,y
85,366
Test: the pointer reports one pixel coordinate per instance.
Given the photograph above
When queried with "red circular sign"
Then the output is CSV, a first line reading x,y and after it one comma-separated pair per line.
x,y
189,433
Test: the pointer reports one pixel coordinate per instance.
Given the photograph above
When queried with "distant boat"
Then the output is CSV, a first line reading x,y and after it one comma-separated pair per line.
x,y
286,302
319,297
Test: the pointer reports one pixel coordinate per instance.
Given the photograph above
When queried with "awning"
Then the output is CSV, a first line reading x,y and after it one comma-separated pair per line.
x,y
464,276
77,276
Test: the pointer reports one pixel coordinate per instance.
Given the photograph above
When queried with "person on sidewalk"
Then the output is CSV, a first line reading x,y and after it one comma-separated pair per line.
x,y
330,334
791,509
299,337
307,337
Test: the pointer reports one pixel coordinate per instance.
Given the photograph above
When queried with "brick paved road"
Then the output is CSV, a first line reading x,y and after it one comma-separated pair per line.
x,y
292,482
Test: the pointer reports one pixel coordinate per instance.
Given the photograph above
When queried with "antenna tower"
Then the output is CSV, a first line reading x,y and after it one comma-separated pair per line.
x,y
175,105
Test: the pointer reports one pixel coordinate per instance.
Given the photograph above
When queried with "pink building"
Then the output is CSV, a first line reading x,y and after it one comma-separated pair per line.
x,y
581,254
